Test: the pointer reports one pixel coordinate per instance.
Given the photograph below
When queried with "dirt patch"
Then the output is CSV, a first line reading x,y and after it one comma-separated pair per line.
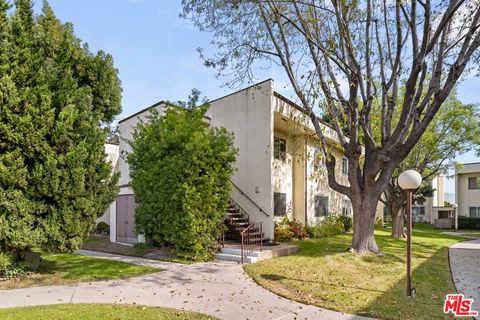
x,y
102,244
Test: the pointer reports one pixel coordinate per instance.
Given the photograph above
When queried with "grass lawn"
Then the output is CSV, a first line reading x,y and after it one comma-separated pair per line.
x,y
98,311
72,268
429,228
322,273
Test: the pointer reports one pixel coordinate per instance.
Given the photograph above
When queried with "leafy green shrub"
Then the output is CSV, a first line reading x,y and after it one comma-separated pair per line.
x,y
8,270
14,272
332,225
347,222
288,230
468,223
181,170
102,228
5,262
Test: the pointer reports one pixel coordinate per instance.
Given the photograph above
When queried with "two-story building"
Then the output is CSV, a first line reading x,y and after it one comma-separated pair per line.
x,y
467,189
280,170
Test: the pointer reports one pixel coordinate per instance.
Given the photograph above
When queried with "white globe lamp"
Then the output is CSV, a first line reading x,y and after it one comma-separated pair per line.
x,y
409,180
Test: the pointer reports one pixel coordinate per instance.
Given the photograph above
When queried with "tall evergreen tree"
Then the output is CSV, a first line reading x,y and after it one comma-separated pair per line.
x,y
56,98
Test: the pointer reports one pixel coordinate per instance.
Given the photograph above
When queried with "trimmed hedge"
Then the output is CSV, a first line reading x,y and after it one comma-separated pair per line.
x,y
468,223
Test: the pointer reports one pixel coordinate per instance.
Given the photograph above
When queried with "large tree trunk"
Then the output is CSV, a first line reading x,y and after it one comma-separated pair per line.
x,y
397,222
364,211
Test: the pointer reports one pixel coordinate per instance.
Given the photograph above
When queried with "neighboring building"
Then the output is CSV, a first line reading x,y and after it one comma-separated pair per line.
x,y
433,208
112,155
467,189
279,168
430,209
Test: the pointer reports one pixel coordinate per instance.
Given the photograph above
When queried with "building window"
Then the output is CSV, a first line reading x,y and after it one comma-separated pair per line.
x,y
321,206
345,166
386,214
279,204
318,160
346,208
474,212
279,149
442,214
418,211
473,183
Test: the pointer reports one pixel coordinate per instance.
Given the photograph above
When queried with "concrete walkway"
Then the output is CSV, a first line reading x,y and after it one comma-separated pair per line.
x,y
221,289
465,268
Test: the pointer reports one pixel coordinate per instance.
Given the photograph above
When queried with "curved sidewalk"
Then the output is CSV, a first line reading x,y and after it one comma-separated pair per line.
x,y
465,268
220,289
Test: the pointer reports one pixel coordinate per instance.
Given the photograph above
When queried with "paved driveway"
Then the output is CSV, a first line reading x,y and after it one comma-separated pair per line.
x,y
465,267
221,289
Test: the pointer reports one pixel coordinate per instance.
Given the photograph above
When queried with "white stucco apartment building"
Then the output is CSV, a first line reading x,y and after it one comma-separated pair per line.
x,y
467,189
279,168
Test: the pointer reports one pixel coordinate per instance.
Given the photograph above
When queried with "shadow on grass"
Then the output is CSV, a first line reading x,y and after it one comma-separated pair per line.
x,y
77,267
432,281
315,275
276,277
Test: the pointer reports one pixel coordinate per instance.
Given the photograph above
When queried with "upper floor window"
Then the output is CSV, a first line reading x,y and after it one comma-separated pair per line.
x,y
318,160
279,149
345,166
473,183
474,212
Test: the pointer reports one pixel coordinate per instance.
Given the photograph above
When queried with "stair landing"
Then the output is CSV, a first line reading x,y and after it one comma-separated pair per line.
x,y
232,252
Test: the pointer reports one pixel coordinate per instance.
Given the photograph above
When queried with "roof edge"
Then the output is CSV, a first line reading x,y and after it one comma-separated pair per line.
x,y
222,97
142,111
296,106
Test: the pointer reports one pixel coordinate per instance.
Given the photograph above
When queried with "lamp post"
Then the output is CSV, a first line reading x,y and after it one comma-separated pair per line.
x,y
409,181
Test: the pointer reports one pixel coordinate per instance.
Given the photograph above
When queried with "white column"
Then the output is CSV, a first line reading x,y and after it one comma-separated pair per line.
x,y
113,221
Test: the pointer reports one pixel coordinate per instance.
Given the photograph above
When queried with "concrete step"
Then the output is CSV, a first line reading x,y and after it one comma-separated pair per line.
x,y
236,258
238,219
236,251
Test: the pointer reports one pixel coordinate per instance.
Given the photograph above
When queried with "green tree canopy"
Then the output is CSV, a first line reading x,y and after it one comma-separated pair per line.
x,y
56,98
454,131
181,170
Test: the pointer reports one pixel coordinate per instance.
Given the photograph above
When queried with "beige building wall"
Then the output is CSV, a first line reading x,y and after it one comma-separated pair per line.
x,y
249,116
283,172
465,197
317,185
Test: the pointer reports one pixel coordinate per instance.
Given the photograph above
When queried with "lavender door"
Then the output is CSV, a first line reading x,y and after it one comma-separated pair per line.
x,y
125,219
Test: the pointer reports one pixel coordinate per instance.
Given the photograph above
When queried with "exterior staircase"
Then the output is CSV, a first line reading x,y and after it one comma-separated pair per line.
x,y
247,235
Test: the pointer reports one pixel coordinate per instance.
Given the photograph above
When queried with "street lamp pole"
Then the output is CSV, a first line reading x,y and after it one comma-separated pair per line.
x,y
409,242
409,181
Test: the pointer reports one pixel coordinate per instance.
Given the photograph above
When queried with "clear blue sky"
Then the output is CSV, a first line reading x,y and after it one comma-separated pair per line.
x,y
155,52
